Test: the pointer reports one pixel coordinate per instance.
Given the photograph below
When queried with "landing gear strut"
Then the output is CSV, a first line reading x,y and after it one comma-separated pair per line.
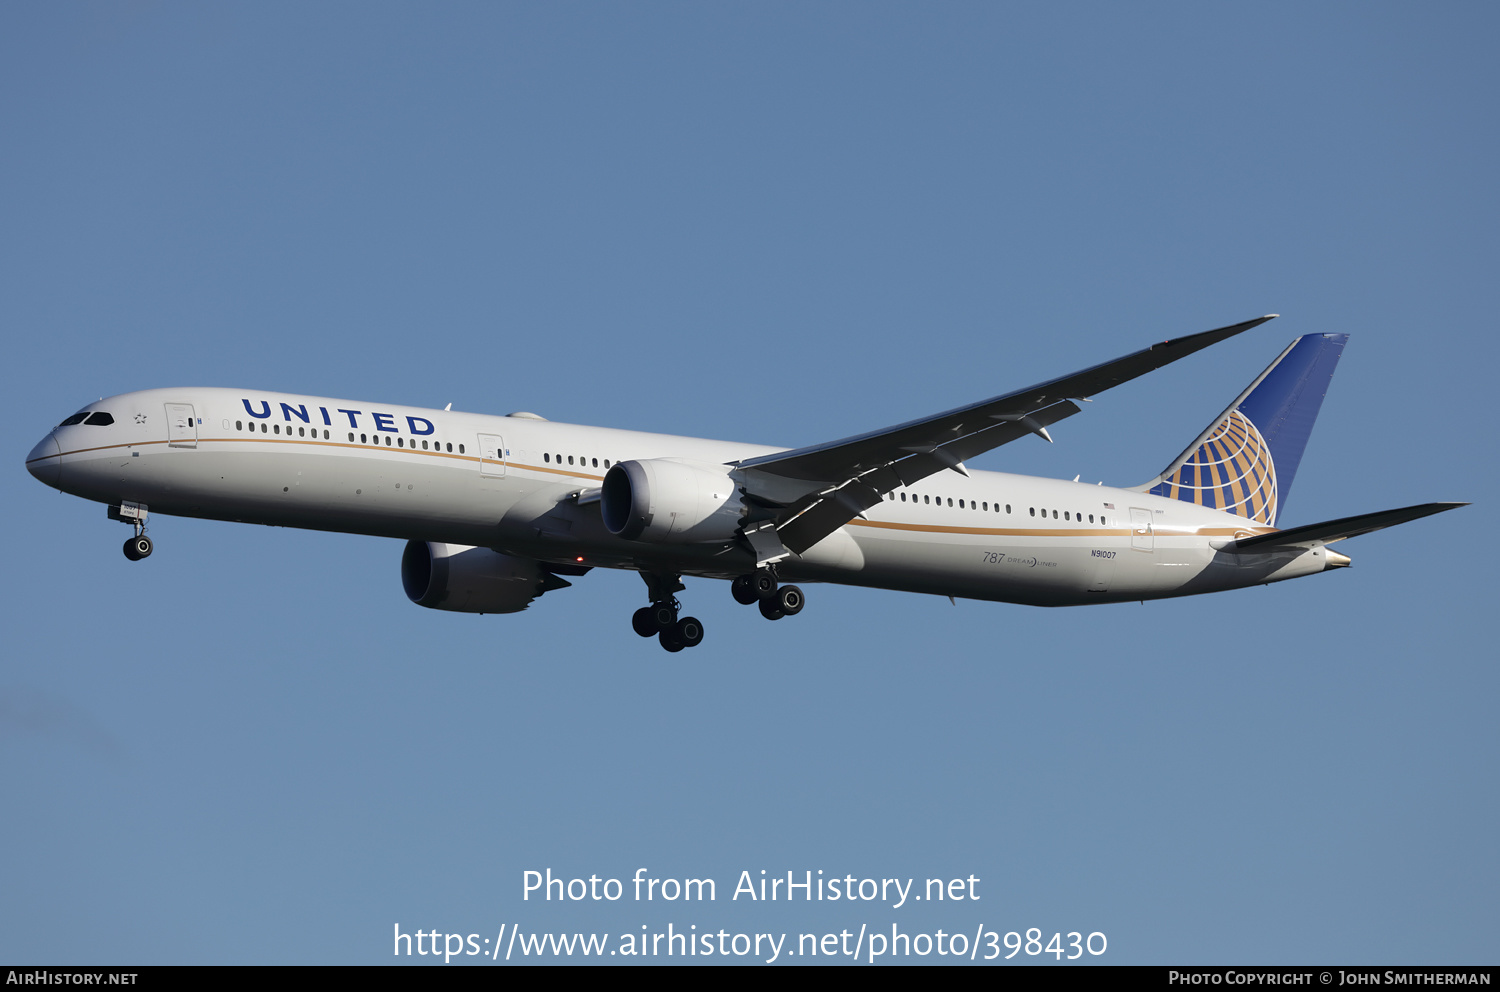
x,y
139,546
661,619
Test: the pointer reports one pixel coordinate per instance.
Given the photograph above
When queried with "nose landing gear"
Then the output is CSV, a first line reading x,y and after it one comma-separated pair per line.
x,y
139,546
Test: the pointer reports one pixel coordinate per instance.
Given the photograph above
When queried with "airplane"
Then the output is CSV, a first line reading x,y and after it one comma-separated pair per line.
x,y
497,511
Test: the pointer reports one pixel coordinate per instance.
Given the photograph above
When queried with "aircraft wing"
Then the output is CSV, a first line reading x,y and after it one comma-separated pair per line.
x,y
1313,535
843,478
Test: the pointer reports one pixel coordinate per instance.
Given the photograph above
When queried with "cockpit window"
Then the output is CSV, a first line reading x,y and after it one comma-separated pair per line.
x,y
77,418
99,419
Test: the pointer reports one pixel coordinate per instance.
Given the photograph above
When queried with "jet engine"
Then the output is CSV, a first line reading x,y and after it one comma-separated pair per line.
x,y
670,500
472,580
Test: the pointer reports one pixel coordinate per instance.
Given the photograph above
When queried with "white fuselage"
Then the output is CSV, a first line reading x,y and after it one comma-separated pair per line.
x,y
514,484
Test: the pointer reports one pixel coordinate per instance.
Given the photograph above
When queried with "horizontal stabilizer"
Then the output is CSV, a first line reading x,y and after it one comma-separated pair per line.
x,y
1313,535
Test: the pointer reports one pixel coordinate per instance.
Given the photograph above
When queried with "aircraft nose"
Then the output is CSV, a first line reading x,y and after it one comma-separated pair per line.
x,y
45,461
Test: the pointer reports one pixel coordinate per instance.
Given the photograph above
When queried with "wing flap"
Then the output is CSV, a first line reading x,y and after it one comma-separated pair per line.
x,y
827,514
953,454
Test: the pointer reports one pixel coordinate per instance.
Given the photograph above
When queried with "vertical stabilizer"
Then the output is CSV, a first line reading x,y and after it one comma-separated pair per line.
x,y
1244,462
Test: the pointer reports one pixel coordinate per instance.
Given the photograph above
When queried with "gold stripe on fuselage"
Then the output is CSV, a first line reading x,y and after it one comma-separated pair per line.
x,y
520,466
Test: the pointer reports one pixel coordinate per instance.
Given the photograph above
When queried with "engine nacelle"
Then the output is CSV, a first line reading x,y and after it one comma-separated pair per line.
x,y
671,501
471,580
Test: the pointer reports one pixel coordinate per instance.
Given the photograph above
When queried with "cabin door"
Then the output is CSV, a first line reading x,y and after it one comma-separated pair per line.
x,y
182,426
492,456
1142,535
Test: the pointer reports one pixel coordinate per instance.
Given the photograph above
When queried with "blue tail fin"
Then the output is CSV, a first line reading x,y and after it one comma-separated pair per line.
x,y
1245,461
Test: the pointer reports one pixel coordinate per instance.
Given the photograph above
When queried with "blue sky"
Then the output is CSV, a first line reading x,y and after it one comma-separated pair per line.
x,y
777,223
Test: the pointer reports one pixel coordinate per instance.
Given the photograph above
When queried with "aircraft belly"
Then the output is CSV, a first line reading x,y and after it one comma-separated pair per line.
x,y
338,490
1041,571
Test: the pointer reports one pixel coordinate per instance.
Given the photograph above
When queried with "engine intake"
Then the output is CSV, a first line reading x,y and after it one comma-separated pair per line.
x,y
669,500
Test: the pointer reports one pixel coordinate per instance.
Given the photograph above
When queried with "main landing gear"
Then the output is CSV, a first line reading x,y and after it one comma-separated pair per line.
x,y
660,619
761,589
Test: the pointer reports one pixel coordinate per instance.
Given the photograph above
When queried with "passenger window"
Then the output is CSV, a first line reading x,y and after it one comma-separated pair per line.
x,y
570,459
460,449
1033,511
263,429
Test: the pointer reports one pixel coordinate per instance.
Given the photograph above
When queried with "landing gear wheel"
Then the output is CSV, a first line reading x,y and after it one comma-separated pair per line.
x,y
770,609
138,547
790,599
643,621
669,640
743,590
664,614
689,632
764,583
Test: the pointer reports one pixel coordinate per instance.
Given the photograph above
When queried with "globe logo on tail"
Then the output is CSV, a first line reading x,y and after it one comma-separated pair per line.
x,y
1231,471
